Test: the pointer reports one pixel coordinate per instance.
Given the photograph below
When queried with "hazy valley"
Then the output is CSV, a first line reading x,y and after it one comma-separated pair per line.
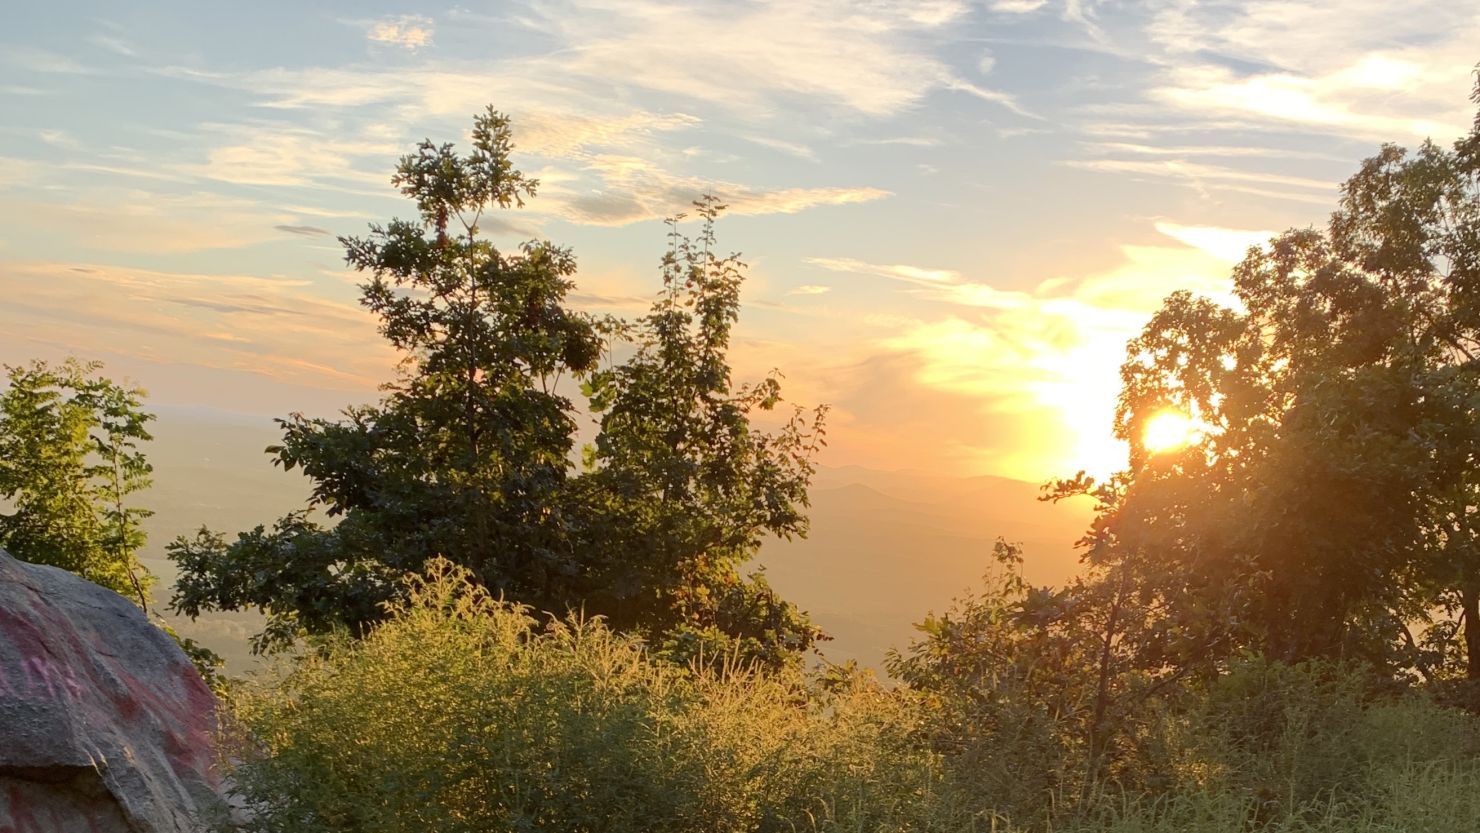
x,y
885,547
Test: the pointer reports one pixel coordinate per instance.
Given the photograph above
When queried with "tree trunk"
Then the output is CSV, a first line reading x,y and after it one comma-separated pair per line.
x,y
1470,610
1097,740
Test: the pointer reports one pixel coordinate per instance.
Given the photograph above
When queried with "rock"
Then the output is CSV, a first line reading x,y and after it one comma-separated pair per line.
x,y
104,724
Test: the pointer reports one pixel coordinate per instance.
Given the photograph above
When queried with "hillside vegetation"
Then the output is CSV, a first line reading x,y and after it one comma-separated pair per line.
x,y
466,714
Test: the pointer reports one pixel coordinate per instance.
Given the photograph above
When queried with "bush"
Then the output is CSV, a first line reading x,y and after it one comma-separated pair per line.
x,y
1308,747
464,714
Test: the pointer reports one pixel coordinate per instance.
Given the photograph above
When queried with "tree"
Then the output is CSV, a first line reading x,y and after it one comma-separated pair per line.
x,y
1329,504
469,455
464,456
680,485
69,461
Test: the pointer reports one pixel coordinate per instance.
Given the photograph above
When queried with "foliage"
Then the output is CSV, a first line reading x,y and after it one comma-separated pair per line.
x,y
1327,509
464,455
461,713
680,486
69,460
1058,676
1310,747
468,456
1003,670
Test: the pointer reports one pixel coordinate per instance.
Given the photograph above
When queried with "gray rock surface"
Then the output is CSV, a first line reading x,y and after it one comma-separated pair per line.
x,y
104,724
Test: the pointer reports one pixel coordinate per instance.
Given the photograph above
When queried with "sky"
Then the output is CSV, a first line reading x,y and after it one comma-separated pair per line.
x,y
954,213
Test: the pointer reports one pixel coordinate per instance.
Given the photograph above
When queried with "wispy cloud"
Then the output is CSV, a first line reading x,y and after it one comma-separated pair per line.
x,y
304,231
136,221
755,57
759,60
1016,6
33,59
911,141
407,31
279,328
796,149
633,189
1043,362
1223,243
901,272
284,155
1207,178
114,44
1355,68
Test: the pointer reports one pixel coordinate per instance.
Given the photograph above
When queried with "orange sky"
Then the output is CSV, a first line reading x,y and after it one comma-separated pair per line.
x,y
955,213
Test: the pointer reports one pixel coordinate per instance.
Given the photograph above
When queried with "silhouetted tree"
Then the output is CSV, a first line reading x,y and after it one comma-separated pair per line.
x,y
469,455
1329,504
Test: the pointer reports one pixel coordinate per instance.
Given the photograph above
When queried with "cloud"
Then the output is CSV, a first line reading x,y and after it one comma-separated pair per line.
x,y
1335,101
1192,151
810,289
283,329
304,231
632,189
407,31
755,57
614,162
591,301
792,148
759,60
286,155
911,141
1360,69
1223,243
15,171
1017,6
1043,363
565,135
909,274
145,222
114,44
59,138
994,96
42,61
1208,178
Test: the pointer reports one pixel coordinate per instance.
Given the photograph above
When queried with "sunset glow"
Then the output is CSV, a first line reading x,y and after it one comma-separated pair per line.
x,y
1168,431
952,229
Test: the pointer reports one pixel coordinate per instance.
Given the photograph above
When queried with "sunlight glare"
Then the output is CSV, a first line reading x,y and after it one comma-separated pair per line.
x,y
1167,431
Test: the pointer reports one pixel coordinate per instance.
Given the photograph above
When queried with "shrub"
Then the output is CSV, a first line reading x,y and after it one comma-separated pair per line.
x,y
463,713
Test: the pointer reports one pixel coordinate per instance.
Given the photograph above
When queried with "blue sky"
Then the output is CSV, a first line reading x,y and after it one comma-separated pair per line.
x,y
955,213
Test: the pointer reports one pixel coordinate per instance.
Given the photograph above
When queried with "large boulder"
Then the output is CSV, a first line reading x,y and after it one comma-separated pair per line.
x,y
104,724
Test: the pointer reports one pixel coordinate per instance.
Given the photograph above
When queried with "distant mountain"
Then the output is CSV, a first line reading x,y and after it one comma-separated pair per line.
x,y
885,548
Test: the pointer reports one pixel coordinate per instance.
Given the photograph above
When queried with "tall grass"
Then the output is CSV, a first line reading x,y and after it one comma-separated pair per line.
x,y
463,713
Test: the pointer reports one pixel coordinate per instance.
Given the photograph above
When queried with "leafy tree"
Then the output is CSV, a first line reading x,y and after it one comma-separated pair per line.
x,y
69,460
1064,677
469,456
1329,505
680,486
464,456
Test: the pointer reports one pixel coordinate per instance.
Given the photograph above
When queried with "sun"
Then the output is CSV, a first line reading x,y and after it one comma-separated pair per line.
x,y
1167,431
